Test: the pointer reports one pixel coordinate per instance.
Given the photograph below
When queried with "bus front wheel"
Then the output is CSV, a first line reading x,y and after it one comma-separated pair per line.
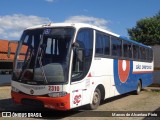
x,y
96,99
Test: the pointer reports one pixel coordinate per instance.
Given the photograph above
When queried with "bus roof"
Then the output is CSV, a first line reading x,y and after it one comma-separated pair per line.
x,y
76,25
132,41
84,25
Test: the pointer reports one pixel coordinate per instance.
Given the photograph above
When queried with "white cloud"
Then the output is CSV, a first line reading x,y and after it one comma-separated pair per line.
x,y
100,22
50,1
85,10
1,31
11,26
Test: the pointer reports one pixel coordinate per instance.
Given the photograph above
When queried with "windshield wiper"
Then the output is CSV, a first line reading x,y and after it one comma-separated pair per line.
x,y
41,65
40,52
27,61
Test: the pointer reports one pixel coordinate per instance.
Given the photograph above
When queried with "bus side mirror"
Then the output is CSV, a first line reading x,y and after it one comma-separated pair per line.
x,y
78,52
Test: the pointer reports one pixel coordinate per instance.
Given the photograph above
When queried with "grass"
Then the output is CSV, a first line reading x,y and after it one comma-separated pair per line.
x,y
156,91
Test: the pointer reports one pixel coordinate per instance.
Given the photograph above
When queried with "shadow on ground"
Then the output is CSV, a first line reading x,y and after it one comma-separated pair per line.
x,y
155,114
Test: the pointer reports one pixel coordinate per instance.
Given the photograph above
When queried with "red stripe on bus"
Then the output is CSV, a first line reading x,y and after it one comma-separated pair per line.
x,y
140,72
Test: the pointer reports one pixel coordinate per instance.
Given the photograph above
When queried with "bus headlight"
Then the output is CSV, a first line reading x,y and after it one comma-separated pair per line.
x,y
57,94
14,89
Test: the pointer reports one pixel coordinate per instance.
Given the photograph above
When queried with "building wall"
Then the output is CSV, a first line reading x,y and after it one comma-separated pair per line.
x,y
156,53
4,44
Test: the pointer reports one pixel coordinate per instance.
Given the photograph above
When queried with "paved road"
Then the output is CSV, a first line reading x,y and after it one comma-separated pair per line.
x,y
148,100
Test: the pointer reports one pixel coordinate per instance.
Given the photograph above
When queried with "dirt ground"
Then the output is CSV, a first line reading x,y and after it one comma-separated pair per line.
x,y
128,104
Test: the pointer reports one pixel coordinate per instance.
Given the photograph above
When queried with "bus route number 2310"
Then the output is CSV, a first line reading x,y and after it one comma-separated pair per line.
x,y
53,88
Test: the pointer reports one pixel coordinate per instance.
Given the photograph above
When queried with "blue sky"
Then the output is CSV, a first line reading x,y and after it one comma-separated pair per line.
x,y
113,15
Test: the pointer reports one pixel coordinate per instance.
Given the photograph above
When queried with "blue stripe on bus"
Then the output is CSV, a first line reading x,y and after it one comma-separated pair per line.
x,y
131,83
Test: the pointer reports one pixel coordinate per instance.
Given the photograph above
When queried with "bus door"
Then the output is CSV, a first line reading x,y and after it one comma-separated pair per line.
x,y
76,95
81,62
80,92
77,81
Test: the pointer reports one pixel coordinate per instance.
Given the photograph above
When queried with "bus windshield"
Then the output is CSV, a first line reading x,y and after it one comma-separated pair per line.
x,y
43,56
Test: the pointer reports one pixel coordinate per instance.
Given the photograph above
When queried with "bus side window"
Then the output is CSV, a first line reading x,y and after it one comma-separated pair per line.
x,y
99,43
142,53
106,45
135,52
147,54
85,45
116,47
102,44
127,49
150,55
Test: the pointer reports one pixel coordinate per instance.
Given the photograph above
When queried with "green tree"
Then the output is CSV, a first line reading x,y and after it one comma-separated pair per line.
x,y
147,30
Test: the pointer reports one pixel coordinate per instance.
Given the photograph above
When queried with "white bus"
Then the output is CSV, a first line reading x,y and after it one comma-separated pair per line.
x,y
69,65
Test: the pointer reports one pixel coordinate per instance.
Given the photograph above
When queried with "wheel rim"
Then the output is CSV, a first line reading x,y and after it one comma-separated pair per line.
x,y
139,87
95,98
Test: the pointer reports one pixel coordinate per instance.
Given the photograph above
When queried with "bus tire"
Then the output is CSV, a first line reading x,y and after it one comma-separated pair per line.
x,y
139,88
95,100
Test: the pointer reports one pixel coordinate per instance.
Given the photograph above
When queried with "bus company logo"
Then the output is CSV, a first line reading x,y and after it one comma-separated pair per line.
x,y
77,99
123,70
32,92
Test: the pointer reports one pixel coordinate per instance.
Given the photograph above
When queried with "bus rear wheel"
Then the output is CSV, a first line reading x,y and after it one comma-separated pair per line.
x,y
96,99
139,88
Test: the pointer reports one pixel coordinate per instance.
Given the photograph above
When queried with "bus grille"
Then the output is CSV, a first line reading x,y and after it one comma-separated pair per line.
x,y
34,103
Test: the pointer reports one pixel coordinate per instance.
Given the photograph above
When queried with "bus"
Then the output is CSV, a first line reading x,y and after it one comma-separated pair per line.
x,y
67,65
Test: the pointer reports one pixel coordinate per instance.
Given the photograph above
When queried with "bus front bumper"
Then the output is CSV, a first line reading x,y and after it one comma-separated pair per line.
x,y
58,103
